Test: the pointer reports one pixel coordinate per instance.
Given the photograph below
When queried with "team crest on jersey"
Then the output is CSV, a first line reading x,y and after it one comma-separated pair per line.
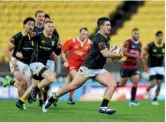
x,y
76,47
53,43
154,50
163,50
43,42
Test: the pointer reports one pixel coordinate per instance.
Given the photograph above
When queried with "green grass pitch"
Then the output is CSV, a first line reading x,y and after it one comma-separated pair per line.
x,y
82,112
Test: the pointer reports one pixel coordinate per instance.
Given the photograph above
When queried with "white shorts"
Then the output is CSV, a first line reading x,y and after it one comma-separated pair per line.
x,y
50,65
156,70
90,72
36,67
22,67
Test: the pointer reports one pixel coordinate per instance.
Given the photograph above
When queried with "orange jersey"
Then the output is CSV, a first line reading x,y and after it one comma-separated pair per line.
x,y
77,51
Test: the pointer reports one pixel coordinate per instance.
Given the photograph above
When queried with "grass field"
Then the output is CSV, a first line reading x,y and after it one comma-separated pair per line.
x,y
82,112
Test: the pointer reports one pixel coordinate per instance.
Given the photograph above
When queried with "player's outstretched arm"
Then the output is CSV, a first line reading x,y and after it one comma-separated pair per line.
x,y
127,54
143,58
108,54
10,48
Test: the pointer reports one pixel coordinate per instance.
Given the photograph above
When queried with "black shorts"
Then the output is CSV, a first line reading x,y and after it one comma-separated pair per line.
x,y
156,77
37,77
128,72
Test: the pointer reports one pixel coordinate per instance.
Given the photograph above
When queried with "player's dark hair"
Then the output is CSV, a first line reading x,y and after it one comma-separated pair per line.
x,y
27,20
47,16
159,32
102,20
84,28
39,11
135,29
49,21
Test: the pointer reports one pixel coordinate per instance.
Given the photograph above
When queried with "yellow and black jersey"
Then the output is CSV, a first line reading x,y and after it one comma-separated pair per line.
x,y
156,54
43,48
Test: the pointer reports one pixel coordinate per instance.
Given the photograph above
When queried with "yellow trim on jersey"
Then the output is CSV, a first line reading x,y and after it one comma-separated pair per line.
x,y
158,45
22,32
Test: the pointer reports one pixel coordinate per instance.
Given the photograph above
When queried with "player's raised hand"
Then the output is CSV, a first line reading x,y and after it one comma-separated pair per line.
x,y
19,55
59,45
32,34
66,64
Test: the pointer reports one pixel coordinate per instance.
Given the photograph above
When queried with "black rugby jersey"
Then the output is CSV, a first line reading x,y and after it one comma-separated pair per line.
x,y
26,47
156,54
38,30
15,40
95,60
44,46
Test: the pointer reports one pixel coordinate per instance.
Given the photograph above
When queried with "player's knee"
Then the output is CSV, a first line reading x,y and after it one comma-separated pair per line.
x,y
49,76
74,86
154,83
112,84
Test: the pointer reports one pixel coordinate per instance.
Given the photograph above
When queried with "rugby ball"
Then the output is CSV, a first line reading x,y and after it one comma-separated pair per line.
x,y
115,49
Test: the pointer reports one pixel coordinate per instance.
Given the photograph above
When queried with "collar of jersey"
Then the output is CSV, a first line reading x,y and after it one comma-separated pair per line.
x,y
136,42
82,43
157,45
103,35
46,36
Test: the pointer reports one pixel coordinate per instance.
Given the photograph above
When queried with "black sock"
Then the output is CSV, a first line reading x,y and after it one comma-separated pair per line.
x,y
21,101
104,103
51,99
147,90
117,84
133,93
155,99
12,82
41,102
45,96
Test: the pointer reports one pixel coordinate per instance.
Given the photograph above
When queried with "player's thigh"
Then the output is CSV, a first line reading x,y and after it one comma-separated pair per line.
x,y
47,74
79,80
34,82
135,78
160,78
106,79
123,81
124,74
18,75
73,73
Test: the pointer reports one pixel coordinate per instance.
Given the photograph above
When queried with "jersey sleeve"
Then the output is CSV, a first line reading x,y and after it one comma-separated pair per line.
x,y
67,45
127,45
147,48
36,40
14,38
57,48
100,43
55,32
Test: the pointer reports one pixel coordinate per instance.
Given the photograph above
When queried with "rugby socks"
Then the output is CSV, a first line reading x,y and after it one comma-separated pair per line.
x,y
38,86
105,101
147,89
41,102
133,93
155,99
54,96
71,95
22,99
117,84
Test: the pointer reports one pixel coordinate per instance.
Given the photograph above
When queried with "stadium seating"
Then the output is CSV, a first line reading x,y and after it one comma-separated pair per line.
x,y
68,17
149,18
